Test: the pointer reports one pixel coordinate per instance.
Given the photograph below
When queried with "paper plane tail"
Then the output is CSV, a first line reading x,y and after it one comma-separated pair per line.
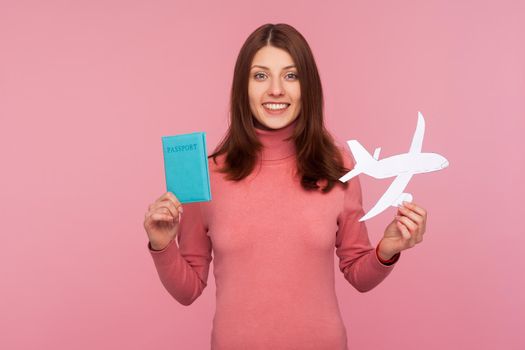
x,y
360,154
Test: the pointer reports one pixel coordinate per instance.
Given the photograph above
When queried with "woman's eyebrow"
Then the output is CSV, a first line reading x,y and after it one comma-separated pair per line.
x,y
256,65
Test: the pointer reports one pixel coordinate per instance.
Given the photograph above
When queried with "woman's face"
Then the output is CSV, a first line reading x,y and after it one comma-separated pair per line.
x,y
274,84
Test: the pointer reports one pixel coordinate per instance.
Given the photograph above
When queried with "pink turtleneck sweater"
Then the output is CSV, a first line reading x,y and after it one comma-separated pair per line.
x,y
273,244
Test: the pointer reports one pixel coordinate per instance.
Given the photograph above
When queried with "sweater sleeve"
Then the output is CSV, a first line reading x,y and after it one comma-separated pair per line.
x,y
358,260
183,268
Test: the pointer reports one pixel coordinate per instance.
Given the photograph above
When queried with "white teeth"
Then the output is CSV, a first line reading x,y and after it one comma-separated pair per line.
x,y
275,106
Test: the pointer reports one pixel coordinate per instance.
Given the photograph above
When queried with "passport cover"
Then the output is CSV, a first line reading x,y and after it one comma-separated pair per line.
x,y
186,167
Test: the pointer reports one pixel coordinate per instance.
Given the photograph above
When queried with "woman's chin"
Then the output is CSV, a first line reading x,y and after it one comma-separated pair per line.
x,y
276,124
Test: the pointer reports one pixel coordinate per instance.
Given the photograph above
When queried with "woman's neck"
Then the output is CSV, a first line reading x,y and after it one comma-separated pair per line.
x,y
274,144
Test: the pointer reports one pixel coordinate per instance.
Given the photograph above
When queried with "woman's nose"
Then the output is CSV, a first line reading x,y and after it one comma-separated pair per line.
x,y
275,88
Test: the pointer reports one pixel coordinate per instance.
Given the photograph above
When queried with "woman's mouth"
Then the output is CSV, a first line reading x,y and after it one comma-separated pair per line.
x,y
275,108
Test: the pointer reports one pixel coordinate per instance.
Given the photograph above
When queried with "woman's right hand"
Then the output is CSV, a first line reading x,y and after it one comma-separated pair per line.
x,y
162,220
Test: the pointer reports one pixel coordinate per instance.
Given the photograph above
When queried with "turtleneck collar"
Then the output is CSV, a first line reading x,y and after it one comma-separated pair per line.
x,y
274,145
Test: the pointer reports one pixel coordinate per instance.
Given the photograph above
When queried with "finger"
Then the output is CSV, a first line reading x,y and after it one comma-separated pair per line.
x,y
412,226
164,196
158,213
415,237
162,217
166,200
415,217
164,210
413,206
422,216
171,197
403,229
409,238
155,216
167,206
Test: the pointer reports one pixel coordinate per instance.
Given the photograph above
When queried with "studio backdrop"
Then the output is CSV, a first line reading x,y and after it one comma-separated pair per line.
x,y
87,89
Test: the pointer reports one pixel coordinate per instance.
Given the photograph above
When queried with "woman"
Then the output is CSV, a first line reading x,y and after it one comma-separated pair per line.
x,y
278,211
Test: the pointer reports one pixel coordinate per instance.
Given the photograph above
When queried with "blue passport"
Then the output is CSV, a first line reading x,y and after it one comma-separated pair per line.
x,y
186,167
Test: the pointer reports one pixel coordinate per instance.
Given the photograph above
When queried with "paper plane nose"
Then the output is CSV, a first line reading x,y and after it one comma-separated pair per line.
x,y
444,164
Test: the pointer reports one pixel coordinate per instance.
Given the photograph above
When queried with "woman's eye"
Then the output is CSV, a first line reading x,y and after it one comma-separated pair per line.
x,y
259,76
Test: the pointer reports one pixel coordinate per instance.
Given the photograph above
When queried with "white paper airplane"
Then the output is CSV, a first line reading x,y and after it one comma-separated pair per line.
x,y
403,166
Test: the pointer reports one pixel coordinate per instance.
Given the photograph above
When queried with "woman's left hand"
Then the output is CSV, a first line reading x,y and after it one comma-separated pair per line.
x,y
405,231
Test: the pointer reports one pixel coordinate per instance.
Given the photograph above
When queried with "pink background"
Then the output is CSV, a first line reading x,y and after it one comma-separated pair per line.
x,y
87,88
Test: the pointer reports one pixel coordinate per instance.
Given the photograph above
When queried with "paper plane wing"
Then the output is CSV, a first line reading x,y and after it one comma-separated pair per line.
x,y
417,139
392,193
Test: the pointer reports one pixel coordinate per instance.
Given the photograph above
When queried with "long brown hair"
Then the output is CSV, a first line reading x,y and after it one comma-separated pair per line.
x,y
318,156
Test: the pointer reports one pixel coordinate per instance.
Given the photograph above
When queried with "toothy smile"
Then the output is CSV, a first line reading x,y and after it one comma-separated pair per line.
x,y
276,106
